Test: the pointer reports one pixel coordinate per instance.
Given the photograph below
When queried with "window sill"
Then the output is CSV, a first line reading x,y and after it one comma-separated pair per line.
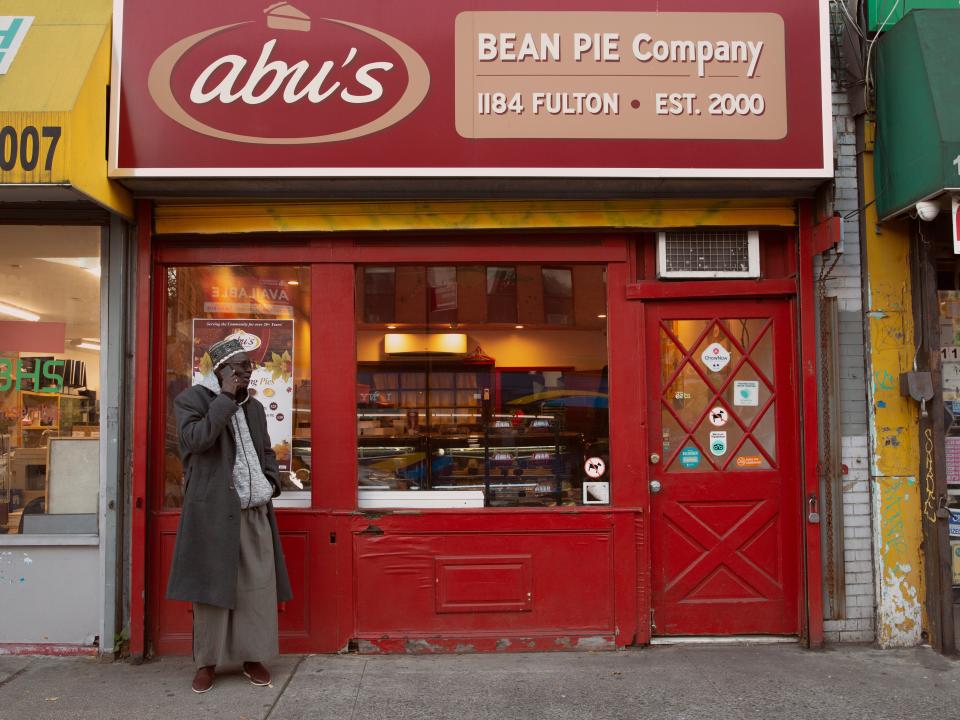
x,y
48,540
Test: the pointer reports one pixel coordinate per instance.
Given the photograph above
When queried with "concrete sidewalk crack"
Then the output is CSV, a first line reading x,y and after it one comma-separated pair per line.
x,y
286,684
15,675
356,699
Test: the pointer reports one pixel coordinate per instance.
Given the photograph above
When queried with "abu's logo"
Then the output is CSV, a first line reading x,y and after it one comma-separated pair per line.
x,y
288,80
249,341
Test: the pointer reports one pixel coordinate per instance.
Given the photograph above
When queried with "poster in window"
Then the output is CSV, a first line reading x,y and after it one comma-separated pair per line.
x,y
269,344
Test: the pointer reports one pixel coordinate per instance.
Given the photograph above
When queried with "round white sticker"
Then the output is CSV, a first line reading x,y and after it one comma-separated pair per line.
x,y
715,357
718,416
595,467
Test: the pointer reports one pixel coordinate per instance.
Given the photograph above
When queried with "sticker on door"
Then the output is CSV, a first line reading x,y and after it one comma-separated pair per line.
x,y
746,393
689,457
718,416
715,357
718,442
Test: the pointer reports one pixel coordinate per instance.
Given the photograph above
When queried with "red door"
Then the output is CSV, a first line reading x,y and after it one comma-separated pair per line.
x,y
725,488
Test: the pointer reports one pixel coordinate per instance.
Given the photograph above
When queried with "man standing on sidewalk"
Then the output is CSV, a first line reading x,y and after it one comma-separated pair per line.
x,y
227,560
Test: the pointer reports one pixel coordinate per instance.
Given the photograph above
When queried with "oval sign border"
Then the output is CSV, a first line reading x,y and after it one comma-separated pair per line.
x,y
158,84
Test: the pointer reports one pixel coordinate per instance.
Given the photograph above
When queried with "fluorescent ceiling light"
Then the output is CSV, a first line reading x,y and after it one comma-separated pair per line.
x,y
17,312
88,346
425,344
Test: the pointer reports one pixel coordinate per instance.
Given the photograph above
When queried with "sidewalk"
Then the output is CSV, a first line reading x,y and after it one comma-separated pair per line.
x,y
689,682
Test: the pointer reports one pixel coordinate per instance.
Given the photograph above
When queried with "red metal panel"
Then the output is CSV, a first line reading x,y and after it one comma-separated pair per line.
x,y
810,413
826,235
484,583
141,429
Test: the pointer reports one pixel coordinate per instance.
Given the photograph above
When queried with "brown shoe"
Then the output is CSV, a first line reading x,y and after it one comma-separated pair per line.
x,y
256,673
203,680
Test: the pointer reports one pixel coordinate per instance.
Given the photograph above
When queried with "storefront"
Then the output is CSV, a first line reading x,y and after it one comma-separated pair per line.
x,y
536,364
63,239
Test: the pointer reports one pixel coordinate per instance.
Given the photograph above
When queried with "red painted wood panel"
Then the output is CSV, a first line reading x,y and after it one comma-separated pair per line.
x,y
141,429
811,439
294,620
173,620
344,249
583,562
484,583
572,583
628,452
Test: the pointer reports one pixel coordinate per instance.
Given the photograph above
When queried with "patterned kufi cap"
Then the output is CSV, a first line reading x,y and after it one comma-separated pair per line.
x,y
224,350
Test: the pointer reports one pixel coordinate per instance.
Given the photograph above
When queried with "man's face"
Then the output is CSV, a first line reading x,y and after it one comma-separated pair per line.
x,y
240,366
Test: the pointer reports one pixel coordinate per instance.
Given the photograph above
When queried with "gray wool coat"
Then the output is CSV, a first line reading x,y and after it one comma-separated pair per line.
x,y
207,549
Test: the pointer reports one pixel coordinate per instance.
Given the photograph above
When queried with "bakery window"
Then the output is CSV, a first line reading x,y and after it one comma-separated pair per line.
x,y
49,380
475,395
267,308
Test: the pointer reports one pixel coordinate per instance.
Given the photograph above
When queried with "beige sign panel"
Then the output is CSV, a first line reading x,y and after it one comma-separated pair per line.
x,y
621,75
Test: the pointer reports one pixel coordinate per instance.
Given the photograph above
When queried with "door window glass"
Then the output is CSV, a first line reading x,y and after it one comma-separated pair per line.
x,y
268,309
718,403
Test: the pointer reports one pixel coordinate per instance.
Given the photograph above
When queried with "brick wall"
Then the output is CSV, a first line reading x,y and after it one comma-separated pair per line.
x,y
845,283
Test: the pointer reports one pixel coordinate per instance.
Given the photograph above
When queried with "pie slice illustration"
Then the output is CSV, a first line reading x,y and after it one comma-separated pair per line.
x,y
284,16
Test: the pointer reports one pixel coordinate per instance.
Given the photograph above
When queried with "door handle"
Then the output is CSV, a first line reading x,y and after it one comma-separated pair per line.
x,y
655,487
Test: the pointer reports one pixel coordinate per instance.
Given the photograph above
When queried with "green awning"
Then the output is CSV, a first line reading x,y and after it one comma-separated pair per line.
x,y
917,149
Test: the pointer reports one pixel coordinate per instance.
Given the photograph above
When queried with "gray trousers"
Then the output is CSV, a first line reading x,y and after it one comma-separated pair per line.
x,y
247,633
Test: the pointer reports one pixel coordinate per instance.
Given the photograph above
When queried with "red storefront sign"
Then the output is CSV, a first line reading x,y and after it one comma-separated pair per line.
x,y
668,88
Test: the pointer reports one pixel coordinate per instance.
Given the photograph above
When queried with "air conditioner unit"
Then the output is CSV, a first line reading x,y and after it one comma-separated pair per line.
x,y
708,254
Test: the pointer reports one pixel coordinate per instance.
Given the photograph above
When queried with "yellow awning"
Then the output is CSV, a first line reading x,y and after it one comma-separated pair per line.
x,y
53,102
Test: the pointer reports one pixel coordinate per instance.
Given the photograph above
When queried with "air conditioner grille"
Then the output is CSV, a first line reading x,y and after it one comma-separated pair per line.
x,y
707,252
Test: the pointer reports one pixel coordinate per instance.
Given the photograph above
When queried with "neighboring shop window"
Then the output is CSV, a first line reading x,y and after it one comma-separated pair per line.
x,y
717,397
49,380
950,385
268,309
459,407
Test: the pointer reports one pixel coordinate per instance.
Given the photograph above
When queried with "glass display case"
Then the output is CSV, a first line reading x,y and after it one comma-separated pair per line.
x,y
515,459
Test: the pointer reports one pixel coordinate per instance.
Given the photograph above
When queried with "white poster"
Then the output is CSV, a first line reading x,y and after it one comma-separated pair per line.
x,y
269,344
